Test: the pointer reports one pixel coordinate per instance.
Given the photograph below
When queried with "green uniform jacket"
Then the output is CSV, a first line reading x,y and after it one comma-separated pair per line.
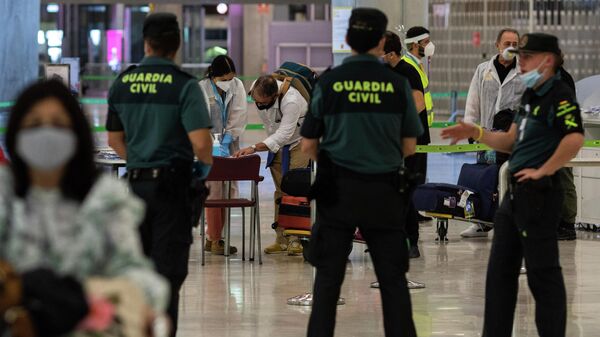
x,y
363,110
156,104
546,116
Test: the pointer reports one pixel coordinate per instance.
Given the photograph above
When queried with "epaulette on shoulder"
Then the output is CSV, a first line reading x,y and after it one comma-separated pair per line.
x,y
131,67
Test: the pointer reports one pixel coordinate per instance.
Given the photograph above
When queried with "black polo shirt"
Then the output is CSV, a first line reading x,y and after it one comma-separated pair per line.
x,y
413,77
546,116
502,70
362,111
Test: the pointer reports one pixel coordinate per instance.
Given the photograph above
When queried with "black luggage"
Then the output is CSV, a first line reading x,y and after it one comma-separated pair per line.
x,y
474,197
448,199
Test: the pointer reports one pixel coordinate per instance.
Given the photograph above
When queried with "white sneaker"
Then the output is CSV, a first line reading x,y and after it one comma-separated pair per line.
x,y
476,231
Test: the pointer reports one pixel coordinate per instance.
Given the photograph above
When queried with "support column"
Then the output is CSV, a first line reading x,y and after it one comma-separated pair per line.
x,y
256,39
18,46
117,22
176,9
414,13
235,36
117,16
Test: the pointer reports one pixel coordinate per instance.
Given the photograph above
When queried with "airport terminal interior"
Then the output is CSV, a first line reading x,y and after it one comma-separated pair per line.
x,y
88,43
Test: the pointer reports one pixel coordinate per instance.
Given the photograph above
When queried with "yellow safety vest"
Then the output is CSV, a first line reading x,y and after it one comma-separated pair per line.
x,y
425,82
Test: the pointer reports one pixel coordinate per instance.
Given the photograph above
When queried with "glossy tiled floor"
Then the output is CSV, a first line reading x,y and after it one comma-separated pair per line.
x,y
231,298
228,297
235,298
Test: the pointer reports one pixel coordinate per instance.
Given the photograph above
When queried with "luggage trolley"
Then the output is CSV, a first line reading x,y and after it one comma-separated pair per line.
x,y
473,199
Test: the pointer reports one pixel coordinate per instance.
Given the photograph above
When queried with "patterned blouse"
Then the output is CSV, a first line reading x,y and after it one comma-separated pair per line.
x,y
95,238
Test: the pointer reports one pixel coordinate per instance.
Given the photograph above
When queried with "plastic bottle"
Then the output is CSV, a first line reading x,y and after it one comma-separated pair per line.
x,y
216,145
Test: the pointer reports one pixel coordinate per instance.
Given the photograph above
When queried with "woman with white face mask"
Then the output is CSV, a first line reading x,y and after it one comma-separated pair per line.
x,y
226,99
57,212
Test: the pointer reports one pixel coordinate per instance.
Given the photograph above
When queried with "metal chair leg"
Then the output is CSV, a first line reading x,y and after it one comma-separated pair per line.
x,y
253,211
227,232
258,230
227,221
243,234
202,234
252,234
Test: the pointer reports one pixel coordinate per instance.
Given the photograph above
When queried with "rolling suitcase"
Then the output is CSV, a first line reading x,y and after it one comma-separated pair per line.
x,y
455,200
474,197
294,213
294,208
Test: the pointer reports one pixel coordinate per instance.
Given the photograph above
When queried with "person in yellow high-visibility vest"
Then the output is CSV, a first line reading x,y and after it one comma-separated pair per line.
x,y
419,48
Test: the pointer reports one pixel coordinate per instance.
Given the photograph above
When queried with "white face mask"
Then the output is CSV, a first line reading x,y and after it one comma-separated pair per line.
x,y
429,49
509,54
46,148
224,85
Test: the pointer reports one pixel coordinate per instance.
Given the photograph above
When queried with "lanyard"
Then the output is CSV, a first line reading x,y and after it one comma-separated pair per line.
x,y
219,100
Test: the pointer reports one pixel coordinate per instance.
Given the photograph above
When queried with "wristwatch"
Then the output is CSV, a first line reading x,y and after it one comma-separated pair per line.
x,y
253,147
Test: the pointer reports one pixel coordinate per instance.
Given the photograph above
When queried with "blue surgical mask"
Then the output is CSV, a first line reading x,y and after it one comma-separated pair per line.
x,y
532,77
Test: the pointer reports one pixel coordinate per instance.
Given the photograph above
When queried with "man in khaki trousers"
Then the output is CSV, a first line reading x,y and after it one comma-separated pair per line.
x,y
282,112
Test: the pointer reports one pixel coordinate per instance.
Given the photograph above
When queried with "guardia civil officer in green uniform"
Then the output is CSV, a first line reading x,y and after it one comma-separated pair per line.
x,y
547,132
158,121
366,119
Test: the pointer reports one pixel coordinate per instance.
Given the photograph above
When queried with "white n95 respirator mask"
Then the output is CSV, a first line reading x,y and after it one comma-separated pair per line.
x,y
509,54
224,85
46,148
429,49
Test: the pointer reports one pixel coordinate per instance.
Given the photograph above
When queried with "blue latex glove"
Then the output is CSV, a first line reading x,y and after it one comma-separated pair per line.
x,y
225,142
201,170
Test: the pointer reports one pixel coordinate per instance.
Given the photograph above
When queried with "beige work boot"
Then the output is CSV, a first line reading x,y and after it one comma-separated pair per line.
x,y
294,248
276,248
207,245
218,248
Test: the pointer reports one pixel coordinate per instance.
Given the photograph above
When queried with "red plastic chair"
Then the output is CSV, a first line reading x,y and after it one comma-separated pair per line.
x,y
226,170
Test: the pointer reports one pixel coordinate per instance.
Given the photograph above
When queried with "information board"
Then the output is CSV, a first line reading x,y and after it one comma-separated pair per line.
x,y
339,18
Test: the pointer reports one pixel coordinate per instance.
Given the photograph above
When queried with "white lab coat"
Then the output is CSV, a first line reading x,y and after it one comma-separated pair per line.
x,y
237,108
283,126
237,119
487,96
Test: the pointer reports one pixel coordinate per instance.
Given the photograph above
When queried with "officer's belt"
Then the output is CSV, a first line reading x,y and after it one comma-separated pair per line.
x,y
513,182
152,173
342,172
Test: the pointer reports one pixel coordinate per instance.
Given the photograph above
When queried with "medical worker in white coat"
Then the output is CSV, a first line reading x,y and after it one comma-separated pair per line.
x,y
226,99
495,87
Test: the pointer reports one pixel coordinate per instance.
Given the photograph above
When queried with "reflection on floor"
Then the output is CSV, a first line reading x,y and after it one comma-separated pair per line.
x,y
231,298
228,297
